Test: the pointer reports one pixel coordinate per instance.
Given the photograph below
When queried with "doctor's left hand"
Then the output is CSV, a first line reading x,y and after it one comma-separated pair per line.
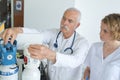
x,y
39,51
10,34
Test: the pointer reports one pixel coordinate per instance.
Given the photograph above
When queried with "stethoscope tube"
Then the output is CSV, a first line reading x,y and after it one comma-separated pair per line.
x,y
56,43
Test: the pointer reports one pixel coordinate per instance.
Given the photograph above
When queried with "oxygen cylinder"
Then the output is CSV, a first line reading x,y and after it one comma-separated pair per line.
x,y
9,72
31,71
8,68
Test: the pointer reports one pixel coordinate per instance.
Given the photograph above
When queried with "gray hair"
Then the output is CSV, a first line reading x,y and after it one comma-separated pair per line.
x,y
75,9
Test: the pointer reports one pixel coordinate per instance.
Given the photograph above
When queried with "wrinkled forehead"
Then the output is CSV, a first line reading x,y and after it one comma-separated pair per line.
x,y
71,14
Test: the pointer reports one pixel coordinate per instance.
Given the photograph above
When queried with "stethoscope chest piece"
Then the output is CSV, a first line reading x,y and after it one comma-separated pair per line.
x,y
55,45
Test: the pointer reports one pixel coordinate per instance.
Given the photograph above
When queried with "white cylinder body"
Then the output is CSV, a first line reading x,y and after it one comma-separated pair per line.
x,y
30,73
9,72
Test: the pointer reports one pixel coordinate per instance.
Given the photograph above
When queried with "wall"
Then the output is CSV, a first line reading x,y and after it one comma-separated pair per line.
x,y
92,13
44,14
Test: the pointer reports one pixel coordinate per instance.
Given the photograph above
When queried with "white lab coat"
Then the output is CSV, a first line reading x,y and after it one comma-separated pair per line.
x,y
103,69
67,66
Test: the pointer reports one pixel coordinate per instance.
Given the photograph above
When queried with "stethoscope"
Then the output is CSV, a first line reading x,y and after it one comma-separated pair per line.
x,y
68,48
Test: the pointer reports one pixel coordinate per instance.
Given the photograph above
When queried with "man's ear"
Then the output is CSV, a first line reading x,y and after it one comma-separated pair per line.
x,y
78,25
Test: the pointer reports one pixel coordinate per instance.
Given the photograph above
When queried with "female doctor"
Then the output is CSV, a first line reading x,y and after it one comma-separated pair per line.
x,y
65,51
103,60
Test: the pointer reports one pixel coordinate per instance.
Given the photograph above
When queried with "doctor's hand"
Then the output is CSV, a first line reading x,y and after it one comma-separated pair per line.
x,y
10,34
86,74
39,51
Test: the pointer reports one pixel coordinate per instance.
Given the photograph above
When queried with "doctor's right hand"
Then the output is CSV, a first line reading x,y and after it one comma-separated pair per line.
x,y
39,51
10,34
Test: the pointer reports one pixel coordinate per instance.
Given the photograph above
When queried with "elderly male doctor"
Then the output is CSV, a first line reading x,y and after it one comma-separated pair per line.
x,y
65,51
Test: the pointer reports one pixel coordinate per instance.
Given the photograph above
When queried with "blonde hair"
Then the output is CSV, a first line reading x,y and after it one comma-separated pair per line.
x,y
113,22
